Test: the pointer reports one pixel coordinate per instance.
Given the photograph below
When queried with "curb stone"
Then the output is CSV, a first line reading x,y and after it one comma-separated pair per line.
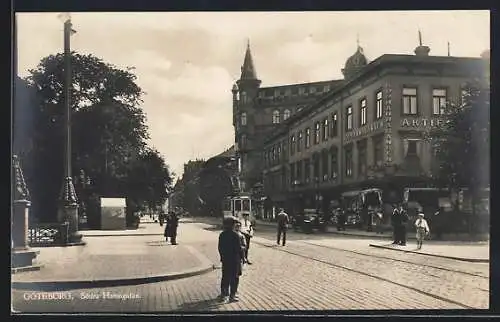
x,y
205,267
472,260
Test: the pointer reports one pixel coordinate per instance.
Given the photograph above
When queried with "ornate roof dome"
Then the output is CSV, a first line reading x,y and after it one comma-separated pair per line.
x,y
356,60
355,63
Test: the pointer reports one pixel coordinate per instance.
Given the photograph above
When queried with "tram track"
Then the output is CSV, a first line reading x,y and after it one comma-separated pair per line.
x,y
396,260
364,273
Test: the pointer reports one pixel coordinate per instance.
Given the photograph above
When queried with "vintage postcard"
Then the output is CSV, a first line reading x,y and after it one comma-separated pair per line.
x,y
174,162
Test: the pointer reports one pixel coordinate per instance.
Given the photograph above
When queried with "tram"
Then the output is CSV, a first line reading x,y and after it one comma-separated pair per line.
x,y
239,205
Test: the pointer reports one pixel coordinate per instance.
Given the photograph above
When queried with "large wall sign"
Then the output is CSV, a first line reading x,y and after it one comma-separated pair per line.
x,y
365,129
421,122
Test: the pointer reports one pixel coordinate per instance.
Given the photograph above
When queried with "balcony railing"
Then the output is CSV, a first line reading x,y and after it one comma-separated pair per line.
x,y
49,234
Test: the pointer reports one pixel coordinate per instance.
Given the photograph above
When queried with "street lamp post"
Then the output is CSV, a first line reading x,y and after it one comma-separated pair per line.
x,y
68,206
316,186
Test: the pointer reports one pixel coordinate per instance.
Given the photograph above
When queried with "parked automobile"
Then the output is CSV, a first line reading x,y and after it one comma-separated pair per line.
x,y
309,221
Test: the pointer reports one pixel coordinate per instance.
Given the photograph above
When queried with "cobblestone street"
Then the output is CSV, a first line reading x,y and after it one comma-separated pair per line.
x,y
310,272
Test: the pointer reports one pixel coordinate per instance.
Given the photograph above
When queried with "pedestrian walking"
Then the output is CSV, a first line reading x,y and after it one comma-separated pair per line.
x,y
283,221
396,222
341,218
422,229
437,223
247,231
161,217
171,228
402,227
230,251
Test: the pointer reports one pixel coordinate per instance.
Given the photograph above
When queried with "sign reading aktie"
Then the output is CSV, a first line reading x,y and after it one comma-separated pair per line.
x,y
421,122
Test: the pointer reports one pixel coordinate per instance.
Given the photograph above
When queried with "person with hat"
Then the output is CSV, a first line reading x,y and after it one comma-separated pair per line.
x,y
422,228
237,228
230,251
283,222
171,228
247,231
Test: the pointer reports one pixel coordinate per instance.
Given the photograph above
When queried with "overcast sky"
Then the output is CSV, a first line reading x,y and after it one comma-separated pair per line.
x,y
187,62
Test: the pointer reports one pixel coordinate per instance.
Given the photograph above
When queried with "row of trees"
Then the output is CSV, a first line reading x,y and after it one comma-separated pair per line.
x,y
109,137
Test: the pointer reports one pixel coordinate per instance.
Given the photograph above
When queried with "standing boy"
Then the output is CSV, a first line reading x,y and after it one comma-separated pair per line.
x,y
247,231
422,229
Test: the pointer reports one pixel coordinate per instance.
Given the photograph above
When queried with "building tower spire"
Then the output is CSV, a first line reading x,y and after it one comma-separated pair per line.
x,y
421,50
248,69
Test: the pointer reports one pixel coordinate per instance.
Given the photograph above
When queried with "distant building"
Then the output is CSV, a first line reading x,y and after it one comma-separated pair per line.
x,y
310,142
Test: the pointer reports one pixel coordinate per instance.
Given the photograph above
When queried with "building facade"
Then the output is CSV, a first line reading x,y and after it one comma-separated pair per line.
x,y
366,132
258,111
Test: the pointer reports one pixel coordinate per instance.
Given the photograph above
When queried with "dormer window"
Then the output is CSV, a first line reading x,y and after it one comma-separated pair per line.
x,y
286,114
276,117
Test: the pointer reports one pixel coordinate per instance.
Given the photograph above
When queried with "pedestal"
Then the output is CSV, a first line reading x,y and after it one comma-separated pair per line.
x,y
21,257
69,214
20,224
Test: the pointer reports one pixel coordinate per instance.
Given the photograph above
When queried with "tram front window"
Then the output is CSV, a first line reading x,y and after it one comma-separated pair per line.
x,y
237,205
246,205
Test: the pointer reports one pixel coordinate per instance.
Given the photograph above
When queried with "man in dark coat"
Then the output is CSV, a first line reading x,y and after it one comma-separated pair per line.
x,y
230,251
396,223
283,220
402,228
171,228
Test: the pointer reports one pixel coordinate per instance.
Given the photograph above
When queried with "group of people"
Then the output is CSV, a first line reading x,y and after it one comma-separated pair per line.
x,y
399,222
172,222
234,243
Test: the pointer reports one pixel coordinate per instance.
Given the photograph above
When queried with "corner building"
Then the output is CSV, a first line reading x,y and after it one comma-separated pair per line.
x,y
258,111
367,131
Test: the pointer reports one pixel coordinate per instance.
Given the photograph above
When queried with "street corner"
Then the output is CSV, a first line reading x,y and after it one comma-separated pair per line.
x,y
157,264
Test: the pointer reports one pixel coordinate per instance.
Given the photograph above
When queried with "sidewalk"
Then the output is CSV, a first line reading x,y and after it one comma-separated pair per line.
x,y
120,258
468,252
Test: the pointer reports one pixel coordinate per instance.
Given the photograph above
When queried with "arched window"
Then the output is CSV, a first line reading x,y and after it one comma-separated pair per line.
x,y
244,118
276,117
286,114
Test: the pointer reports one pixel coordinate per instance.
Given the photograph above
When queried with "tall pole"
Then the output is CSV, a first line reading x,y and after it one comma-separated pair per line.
x,y
67,88
68,212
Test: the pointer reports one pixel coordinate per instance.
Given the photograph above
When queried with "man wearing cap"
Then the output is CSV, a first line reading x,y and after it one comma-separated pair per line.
x,y
231,258
247,231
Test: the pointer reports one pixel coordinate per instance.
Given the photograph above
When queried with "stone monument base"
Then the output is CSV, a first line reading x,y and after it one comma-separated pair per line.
x,y
22,260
